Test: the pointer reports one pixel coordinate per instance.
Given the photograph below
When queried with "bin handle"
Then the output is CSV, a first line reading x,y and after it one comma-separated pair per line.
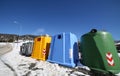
x,y
93,31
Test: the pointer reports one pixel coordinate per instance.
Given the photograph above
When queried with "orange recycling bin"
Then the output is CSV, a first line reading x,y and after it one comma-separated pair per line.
x,y
41,47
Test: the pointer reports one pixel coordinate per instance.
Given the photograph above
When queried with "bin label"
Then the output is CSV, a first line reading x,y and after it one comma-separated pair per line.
x,y
110,59
71,53
44,52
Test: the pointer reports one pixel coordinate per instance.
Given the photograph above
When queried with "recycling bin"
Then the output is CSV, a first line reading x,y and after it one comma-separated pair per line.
x,y
64,50
41,47
99,52
26,48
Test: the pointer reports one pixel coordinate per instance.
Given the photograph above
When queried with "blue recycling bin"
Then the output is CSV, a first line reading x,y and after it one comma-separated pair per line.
x,y
64,50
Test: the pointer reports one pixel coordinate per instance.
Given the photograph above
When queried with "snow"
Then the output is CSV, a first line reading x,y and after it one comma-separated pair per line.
x,y
4,70
27,66
117,43
2,44
119,54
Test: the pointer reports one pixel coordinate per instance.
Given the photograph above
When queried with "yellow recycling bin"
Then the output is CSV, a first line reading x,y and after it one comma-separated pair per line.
x,y
41,47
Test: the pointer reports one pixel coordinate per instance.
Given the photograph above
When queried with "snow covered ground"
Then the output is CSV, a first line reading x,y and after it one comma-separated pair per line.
x,y
4,70
27,66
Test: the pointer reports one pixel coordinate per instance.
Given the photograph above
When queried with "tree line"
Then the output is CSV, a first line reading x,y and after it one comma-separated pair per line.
x,y
14,37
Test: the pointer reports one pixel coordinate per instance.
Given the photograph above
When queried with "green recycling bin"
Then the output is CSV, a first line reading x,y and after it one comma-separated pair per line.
x,y
99,52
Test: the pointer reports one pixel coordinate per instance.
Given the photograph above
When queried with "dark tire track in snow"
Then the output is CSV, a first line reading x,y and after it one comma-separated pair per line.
x,y
3,50
11,68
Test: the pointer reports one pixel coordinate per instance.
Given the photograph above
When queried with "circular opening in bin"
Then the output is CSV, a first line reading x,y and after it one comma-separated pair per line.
x,y
93,31
59,37
38,39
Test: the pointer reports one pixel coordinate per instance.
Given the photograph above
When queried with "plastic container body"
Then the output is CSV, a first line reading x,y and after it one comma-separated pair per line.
x,y
64,49
26,48
41,47
98,51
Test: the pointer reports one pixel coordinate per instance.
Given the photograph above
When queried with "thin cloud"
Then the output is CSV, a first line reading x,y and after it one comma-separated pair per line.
x,y
16,22
39,31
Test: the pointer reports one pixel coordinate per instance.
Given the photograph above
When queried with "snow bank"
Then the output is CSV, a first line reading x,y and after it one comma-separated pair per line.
x,y
2,44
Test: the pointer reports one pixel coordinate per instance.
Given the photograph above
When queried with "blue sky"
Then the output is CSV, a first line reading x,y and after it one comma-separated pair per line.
x,y
57,16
